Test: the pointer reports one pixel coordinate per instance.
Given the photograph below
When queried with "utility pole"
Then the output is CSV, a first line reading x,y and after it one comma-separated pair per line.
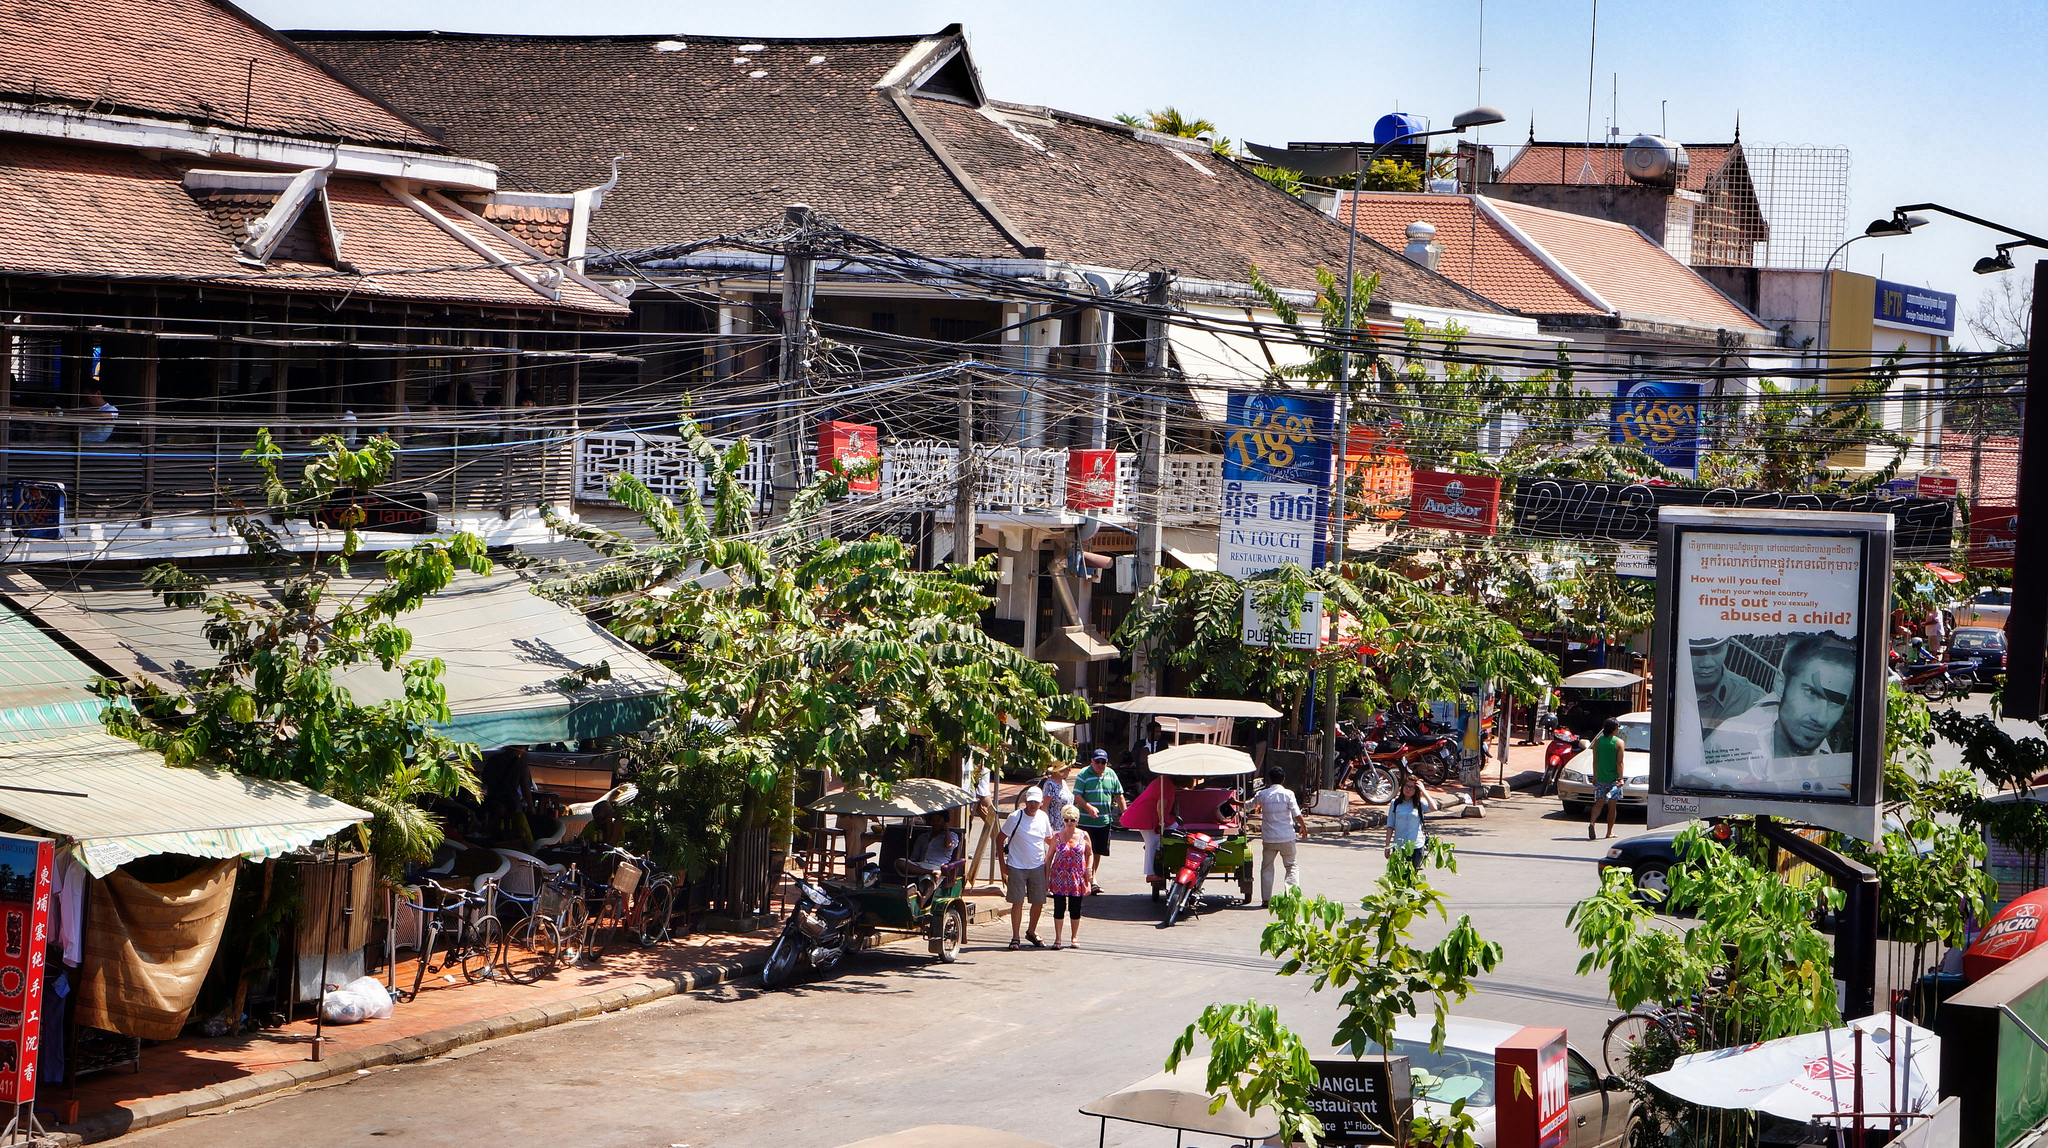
x,y
799,290
1152,463
963,488
2026,632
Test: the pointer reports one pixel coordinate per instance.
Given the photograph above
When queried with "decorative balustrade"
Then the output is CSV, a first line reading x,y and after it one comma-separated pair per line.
x,y
663,463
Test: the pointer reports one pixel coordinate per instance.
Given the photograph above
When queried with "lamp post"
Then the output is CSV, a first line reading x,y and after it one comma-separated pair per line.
x,y
1899,224
1334,560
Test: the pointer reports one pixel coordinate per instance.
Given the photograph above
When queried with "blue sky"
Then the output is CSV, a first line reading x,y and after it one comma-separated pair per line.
x,y
1936,101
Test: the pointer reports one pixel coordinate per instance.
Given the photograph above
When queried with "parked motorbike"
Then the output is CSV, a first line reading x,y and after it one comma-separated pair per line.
x,y
1936,681
1187,880
1562,748
1372,781
1414,746
814,935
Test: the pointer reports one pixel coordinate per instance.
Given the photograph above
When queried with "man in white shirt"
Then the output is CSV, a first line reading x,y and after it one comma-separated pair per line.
x,y
1021,845
1280,828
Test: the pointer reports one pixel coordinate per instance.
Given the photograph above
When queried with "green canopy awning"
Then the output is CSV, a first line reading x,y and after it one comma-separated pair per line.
x,y
44,690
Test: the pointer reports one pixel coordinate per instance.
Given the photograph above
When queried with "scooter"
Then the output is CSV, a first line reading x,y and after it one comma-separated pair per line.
x,y
1372,781
1187,881
814,935
1562,748
1429,756
1936,681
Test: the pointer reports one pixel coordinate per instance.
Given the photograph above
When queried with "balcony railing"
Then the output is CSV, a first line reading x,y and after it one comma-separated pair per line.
x,y
663,463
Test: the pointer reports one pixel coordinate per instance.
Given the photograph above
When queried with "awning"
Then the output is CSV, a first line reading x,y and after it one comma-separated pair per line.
x,y
1194,707
121,802
1194,560
510,655
43,689
1230,359
1180,1099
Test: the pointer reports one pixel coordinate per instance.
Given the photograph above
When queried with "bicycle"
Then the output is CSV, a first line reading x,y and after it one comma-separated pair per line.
x,y
649,912
557,926
1653,1035
478,947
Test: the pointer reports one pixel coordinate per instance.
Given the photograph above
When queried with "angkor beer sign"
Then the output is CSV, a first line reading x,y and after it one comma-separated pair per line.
x,y
1994,531
1627,512
1443,501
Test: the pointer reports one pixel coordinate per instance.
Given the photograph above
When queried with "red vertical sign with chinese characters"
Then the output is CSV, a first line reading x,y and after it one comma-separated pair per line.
x,y
1091,479
25,864
1533,1111
850,445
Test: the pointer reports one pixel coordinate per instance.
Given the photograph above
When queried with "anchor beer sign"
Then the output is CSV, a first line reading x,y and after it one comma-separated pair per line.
x,y
1443,501
846,446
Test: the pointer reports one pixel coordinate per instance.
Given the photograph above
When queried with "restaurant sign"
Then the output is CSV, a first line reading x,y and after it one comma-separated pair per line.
x,y
1442,501
1627,512
1994,531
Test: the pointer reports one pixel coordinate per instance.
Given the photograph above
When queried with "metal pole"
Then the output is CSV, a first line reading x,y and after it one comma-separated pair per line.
x,y
1340,496
963,489
1151,501
326,946
799,285
2027,630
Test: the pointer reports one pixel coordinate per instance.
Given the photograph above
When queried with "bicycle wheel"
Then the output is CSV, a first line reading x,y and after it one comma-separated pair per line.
x,y
480,946
605,925
1687,1030
575,930
655,909
531,949
1621,1046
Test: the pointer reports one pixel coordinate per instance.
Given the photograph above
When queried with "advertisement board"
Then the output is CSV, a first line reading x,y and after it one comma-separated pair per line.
x,y
1923,528
1770,673
1994,531
1378,473
1276,482
25,864
1535,1113
1302,632
414,513
1913,308
1363,1101
1265,525
1443,501
1091,479
849,445
1659,418
1279,436
33,509
1932,484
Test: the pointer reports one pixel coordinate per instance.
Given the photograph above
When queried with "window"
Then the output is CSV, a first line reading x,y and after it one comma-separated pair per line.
x,y
882,321
1909,412
1580,1079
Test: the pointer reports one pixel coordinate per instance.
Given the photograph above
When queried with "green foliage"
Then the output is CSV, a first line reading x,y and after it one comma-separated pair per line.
x,y
1370,954
273,705
1786,434
2007,763
1284,178
1392,175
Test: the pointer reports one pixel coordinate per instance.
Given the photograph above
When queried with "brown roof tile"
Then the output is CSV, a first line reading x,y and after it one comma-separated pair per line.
x,y
90,212
1477,251
1996,477
1601,163
188,60
1632,274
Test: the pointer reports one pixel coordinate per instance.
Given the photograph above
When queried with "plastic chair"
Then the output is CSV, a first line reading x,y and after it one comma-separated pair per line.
x,y
520,882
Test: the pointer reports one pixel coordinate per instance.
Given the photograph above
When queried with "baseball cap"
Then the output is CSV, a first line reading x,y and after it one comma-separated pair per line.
x,y
1034,794
1100,755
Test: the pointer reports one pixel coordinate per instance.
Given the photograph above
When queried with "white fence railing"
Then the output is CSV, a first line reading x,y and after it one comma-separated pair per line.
x,y
1008,479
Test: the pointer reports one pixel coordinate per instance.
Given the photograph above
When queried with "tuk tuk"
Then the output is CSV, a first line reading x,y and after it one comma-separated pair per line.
x,y
1214,812
890,906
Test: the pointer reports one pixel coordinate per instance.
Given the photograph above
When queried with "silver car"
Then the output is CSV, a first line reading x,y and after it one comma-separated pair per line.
x,y
1575,784
1601,1106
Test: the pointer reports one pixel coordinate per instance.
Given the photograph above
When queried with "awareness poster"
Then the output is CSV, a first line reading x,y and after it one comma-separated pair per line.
x,y
1768,663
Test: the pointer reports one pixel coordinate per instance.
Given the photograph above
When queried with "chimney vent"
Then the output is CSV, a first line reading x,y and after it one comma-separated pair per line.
x,y
1423,249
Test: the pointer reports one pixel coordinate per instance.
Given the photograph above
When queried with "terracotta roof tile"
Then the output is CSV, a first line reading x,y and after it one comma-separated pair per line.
x,y
188,60
1996,480
1569,163
1477,251
89,212
1634,275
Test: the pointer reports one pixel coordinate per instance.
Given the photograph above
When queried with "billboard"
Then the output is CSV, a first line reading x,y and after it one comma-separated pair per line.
x,y
1377,471
1280,436
842,446
1770,673
1914,308
1266,525
1091,479
1923,528
1443,501
1994,531
25,906
1276,482
1659,418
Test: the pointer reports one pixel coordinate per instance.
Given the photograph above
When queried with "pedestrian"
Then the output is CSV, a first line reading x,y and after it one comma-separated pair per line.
x,y
1280,829
1067,871
1059,794
1099,794
1021,845
1154,741
1404,820
1150,815
1606,776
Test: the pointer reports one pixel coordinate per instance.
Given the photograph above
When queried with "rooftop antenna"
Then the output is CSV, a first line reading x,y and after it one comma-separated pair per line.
x,y
1664,118
1614,110
1592,49
1479,87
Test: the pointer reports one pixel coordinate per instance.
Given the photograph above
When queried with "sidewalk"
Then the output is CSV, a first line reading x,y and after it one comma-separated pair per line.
x,y
193,1074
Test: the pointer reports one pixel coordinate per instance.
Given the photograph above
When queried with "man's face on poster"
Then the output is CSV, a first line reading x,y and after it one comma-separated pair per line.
x,y
1706,667
1815,697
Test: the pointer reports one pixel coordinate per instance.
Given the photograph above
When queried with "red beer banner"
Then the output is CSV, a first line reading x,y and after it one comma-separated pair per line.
x,y
1936,486
1993,531
848,445
25,864
1444,501
1091,479
1378,469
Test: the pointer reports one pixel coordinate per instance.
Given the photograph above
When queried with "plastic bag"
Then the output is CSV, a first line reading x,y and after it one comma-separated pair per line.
x,y
364,998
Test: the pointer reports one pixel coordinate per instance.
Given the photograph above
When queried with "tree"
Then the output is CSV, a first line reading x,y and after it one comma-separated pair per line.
x,y
1392,175
1783,436
1170,122
1256,1062
795,651
1285,178
274,705
2004,315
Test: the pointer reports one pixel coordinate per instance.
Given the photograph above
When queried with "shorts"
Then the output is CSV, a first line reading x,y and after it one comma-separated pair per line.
x,y
1098,836
1611,791
1027,885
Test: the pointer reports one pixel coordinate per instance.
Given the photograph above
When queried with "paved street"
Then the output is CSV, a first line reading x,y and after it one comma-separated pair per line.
x,y
1011,1040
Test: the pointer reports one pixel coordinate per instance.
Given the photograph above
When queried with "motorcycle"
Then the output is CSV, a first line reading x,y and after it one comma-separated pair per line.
x,y
1936,681
1562,748
1372,781
1399,745
814,935
1187,880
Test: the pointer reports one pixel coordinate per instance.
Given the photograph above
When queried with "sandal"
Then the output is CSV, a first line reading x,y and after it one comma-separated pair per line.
x,y
1035,942
1055,946
1015,944
1095,890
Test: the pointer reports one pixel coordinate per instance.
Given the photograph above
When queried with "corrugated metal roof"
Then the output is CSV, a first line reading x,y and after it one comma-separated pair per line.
x,y
121,802
43,689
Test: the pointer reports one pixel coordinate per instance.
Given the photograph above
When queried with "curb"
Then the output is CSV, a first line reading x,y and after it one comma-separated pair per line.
x,y
157,1110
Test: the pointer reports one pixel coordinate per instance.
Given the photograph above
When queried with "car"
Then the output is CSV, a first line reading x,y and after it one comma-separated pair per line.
x,y
1575,784
1649,858
1981,645
1987,607
1601,1106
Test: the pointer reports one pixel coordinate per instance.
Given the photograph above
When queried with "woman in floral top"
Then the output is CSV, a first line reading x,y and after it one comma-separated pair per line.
x,y
1066,875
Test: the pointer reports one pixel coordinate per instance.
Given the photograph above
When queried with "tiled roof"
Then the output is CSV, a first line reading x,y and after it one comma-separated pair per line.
x,y
88,212
187,60
1570,163
1634,275
1477,251
720,133
1996,478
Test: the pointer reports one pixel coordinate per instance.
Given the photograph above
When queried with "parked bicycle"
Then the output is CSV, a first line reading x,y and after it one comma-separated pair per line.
x,y
647,911
477,940
556,930
1650,1038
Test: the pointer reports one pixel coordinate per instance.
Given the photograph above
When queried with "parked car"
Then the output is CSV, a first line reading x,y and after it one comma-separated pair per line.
x,y
1981,645
1648,857
1575,784
1987,607
1601,1106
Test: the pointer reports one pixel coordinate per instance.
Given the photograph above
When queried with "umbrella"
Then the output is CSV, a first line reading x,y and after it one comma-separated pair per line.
x,y
1194,707
1180,1099
1943,573
911,797
1601,680
2015,930
1814,1073
1200,759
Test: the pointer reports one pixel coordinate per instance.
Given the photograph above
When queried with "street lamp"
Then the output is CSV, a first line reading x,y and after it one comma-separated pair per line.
x,y
1899,224
1990,264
